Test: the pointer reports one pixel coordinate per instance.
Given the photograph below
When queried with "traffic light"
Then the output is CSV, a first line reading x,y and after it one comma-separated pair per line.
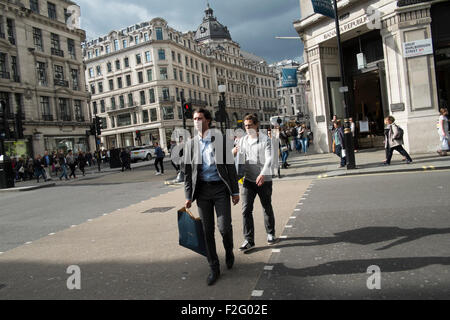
x,y
98,125
187,109
138,134
92,130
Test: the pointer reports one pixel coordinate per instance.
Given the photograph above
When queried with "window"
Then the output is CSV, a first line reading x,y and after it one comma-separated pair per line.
x,y
113,122
113,103
124,120
10,31
41,73
142,96
181,76
130,99
119,82
111,85
152,95
153,115
37,39
168,113
179,58
138,58
162,54
116,45
124,43
75,81
34,6
159,34
55,41
126,62
108,48
52,11
59,72
109,67
102,106
94,107
175,74
78,110
140,77
117,64
145,118
100,87
121,102
149,75
92,85
163,73
99,70
71,48
146,38
136,39
148,56
188,77
128,80
64,110
97,52
173,56
165,94
45,108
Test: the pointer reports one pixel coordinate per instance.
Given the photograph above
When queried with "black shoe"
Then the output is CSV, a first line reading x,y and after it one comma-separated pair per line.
x,y
229,258
213,276
408,161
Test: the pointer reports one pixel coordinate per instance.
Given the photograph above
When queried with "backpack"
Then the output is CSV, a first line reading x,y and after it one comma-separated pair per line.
x,y
399,135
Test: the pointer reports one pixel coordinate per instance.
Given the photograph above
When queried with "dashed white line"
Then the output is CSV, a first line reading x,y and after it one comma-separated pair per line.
x,y
297,210
268,268
283,237
73,226
51,234
29,242
288,226
276,250
257,293
292,217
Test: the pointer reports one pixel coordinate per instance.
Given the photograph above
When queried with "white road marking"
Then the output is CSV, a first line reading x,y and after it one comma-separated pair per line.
x,y
268,268
51,234
257,293
288,226
276,250
29,242
283,237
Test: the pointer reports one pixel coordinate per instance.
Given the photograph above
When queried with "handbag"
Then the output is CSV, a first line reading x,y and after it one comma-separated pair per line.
x,y
343,153
445,146
190,229
284,148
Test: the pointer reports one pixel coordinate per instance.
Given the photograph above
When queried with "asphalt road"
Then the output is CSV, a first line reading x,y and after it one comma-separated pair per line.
x,y
31,215
397,222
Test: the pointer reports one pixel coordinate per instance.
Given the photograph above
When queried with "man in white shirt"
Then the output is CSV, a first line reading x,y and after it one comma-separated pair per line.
x,y
256,150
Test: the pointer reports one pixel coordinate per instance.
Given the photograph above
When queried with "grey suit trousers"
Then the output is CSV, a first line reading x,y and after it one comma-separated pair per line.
x,y
210,197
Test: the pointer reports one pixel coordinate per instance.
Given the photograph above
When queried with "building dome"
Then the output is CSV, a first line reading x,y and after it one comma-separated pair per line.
x,y
211,29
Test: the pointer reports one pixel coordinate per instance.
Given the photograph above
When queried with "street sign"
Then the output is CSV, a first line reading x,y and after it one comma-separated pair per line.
x,y
289,77
323,7
417,48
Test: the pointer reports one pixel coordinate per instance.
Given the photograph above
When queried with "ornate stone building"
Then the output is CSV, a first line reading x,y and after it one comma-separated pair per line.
x,y
396,59
42,78
137,75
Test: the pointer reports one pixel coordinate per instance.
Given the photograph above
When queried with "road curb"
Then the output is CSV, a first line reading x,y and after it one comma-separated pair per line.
x,y
354,173
29,188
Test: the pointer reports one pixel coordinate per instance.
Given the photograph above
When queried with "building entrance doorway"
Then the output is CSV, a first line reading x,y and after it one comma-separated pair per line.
x,y
368,113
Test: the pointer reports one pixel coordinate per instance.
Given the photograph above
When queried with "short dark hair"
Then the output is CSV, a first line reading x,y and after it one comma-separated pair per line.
x,y
206,113
252,117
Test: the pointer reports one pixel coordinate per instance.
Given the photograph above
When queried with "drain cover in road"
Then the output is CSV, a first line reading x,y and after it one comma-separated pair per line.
x,y
159,210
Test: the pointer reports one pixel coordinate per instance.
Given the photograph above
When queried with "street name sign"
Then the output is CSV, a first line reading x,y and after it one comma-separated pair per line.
x,y
323,7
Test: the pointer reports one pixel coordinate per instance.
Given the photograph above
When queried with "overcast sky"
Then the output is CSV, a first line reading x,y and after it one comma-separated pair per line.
x,y
254,24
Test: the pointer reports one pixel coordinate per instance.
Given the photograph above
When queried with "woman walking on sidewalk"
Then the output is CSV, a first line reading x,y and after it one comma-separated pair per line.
x,y
339,142
393,141
63,164
442,127
72,164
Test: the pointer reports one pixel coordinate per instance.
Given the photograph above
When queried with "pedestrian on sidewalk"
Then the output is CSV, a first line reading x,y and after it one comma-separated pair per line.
x,y
339,142
20,169
304,138
47,162
124,159
211,181
176,166
394,141
63,165
38,166
72,164
159,153
81,160
256,151
284,147
354,133
442,127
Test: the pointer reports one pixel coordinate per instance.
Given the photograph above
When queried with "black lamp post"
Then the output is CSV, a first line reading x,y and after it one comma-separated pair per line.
x,y
350,152
222,105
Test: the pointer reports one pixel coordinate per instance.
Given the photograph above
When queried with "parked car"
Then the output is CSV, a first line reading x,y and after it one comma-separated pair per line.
x,y
142,153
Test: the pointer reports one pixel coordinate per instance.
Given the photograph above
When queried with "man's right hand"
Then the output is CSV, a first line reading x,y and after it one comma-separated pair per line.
x,y
188,204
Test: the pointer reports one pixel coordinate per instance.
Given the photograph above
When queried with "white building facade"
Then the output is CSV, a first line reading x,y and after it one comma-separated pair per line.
x,y
404,72
42,78
137,77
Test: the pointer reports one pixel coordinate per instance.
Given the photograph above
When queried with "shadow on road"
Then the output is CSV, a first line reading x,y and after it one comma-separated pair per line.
x,y
362,236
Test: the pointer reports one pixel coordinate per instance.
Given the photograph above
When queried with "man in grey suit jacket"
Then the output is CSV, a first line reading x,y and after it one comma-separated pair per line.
x,y
210,180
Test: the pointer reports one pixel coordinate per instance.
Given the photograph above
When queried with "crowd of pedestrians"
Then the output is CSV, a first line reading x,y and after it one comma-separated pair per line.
x,y
51,165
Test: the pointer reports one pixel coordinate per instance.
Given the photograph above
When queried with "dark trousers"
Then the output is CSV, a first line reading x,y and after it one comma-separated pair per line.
x,y
216,197
249,192
72,170
400,150
160,161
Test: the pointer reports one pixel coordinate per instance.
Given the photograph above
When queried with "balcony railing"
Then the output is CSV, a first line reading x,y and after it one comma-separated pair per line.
x,y
47,117
166,99
57,52
61,83
5,75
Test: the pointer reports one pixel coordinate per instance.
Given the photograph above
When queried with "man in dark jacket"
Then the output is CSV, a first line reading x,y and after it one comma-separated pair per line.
x,y
211,180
